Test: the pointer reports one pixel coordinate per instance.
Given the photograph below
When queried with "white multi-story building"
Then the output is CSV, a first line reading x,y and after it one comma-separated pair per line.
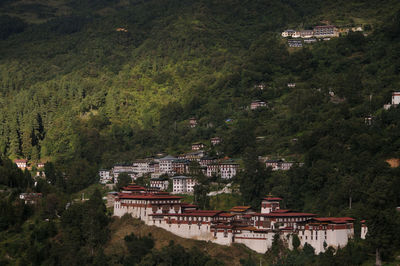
x,y
326,31
165,164
143,167
160,183
395,98
128,169
183,184
105,176
227,170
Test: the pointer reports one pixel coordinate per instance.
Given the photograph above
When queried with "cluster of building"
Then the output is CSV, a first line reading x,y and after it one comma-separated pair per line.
x,y
241,224
163,169
24,164
310,36
169,165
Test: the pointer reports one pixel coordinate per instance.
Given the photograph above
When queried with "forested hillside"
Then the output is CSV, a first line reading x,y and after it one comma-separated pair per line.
x,y
86,84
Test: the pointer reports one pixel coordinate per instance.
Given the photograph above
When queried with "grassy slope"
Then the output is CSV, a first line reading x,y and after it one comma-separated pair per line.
x,y
230,255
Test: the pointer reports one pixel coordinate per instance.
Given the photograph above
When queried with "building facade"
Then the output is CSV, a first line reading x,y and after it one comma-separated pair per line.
x,y
183,184
240,225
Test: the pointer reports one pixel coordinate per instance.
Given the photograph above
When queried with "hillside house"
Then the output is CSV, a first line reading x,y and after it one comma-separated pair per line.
x,y
395,100
194,155
192,122
30,198
228,169
143,167
166,164
122,168
257,104
215,141
204,161
159,183
183,184
212,169
21,163
279,164
368,120
105,176
197,146
40,165
306,34
325,31
180,166
288,33
295,43
291,85
259,86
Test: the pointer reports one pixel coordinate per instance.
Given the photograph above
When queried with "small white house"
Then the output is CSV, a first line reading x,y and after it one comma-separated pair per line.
x,y
395,97
288,33
105,176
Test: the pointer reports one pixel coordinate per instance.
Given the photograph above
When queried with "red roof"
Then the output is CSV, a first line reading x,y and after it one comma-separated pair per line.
x,y
146,196
226,215
196,213
20,161
336,220
240,208
272,198
286,214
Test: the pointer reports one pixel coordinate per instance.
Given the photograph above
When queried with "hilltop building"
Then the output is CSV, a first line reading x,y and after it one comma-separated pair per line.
x,y
193,122
197,146
166,164
278,164
183,184
325,31
21,163
240,224
105,176
395,100
30,198
226,169
257,104
215,141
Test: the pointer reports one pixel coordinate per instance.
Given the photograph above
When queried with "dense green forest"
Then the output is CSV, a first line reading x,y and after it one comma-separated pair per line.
x,y
86,84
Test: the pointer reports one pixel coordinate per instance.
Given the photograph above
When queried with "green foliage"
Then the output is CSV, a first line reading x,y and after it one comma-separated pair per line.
x,y
137,247
75,91
123,180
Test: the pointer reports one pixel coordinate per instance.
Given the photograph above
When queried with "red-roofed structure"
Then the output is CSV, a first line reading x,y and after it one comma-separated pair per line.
x,y
240,225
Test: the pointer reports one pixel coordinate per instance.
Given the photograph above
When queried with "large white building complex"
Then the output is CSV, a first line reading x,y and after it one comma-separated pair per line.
x,y
239,225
